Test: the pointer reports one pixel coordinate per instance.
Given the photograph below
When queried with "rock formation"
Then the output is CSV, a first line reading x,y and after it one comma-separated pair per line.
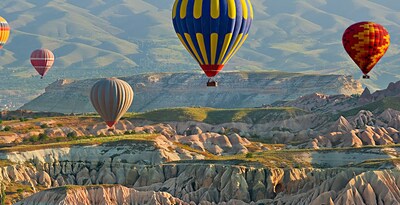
x,y
236,90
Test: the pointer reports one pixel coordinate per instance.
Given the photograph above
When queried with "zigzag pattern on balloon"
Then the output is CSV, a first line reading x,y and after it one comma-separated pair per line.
x,y
366,43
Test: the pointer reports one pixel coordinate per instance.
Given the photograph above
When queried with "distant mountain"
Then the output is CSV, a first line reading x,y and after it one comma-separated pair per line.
x,y
99,38
163,90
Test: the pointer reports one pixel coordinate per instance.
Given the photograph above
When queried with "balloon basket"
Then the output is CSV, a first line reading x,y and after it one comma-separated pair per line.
x,y
366,76
212,83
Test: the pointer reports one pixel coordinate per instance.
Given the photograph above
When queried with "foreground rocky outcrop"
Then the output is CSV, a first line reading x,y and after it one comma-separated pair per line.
x,y
365,128
236,90
208,184
100,195
160,166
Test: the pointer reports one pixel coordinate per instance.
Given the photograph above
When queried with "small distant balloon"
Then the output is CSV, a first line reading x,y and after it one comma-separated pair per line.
x,y
4,31
111,97
366,43
42,60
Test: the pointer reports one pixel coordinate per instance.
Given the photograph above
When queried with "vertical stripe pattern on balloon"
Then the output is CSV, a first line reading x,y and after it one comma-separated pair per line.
x,y
212,31
4,31
111,98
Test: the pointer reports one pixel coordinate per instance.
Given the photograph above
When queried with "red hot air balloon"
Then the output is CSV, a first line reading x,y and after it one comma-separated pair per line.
x,y
42,60
366,43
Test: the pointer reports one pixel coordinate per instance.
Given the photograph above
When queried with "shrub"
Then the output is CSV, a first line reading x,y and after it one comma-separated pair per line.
x,y
44,126
60,125
22,119
43,137
71,135
1,121
34,138
249,155
7,128
3,195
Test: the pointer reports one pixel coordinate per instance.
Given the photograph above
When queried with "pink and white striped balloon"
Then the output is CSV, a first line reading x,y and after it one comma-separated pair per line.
x,y
42,60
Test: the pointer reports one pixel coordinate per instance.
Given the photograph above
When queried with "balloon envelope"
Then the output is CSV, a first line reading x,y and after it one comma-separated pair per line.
x,y
42,60
111,98
212,31
4,31
366,43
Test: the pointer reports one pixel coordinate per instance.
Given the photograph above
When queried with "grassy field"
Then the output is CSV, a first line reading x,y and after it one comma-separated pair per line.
x,y
218,116
289,158
81,141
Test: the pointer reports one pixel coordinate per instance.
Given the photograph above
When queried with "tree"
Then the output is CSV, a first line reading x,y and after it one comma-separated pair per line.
x,y
43,137
3,195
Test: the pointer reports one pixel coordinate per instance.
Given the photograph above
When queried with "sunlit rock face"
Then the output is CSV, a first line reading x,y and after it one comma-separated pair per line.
x,y
235,90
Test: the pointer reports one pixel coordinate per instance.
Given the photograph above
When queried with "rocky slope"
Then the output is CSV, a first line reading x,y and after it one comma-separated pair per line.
x,y
100,195
299,187
170,168
236,90
320,102
345,187
205,183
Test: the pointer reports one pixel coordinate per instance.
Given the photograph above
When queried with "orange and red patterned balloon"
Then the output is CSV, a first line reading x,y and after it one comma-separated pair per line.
x,y
366,43
4,31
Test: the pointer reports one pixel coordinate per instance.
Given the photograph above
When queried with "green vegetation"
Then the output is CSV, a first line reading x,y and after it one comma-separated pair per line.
x,y
5,162
7,128
43,137
22,119
72,135
3,195
14,192
249,155
290,158
217,116
80,141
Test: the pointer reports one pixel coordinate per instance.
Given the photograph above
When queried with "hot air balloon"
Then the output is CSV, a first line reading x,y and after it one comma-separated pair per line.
x,y
4,31
212,31
111,98
366,43
42,60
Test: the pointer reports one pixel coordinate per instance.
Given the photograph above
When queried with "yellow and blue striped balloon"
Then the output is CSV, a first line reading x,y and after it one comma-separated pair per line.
x,y
212,30
4,31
